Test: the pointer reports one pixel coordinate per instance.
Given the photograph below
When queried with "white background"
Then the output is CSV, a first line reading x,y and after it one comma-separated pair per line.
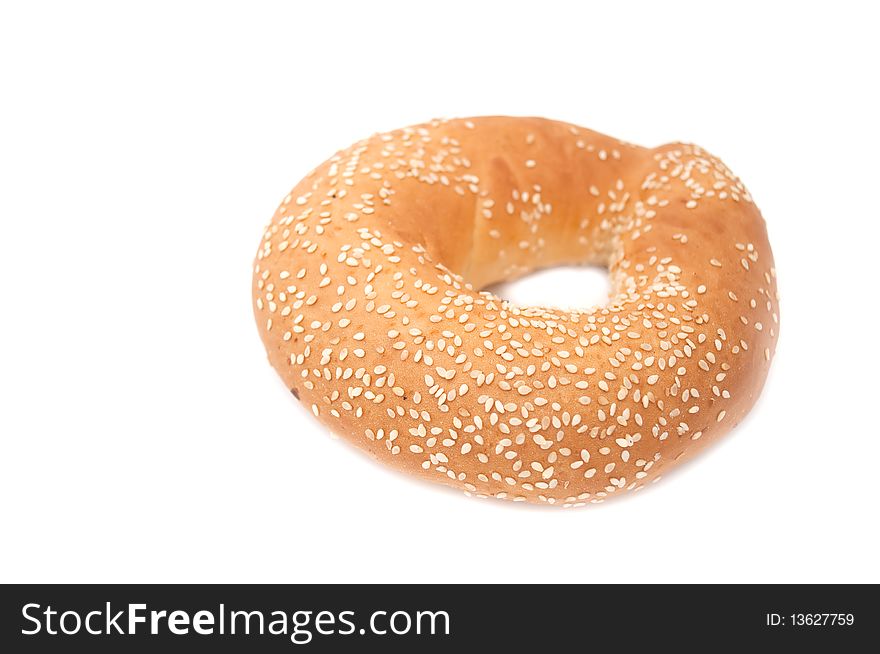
x,y
142,151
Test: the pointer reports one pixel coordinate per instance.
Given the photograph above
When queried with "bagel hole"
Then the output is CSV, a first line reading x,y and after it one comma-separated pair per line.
x,y
564,287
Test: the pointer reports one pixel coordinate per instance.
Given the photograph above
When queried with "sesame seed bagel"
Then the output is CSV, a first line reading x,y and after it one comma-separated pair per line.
x,y
367,294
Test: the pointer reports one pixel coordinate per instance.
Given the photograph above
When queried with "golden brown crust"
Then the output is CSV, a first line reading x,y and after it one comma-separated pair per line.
x,y
366,290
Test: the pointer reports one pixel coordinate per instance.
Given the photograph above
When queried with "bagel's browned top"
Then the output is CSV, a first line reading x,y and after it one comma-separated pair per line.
x,y
367,297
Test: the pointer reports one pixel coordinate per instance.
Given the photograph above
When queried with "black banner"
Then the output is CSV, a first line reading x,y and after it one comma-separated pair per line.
x,y
319,618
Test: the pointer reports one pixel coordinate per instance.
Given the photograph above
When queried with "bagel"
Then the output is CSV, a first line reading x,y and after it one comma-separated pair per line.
x,y
367,295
